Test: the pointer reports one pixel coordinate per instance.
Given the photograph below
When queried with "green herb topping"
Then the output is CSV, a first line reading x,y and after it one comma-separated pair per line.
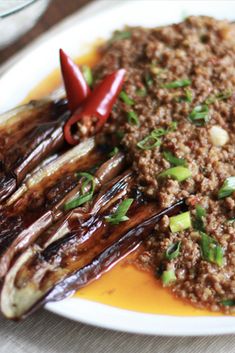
x,y
87,73
198,223
153,139
168,277
227,188
132,118
228,302
177,84
114,152
200,115
120,214
148,79
141,92
211,250
120,35
173,160
180,222
219,97
126,99
178,173
87,191
173,251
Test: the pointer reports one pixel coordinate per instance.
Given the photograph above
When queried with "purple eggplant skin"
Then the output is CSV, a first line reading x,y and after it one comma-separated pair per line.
x,y
104,260
46,139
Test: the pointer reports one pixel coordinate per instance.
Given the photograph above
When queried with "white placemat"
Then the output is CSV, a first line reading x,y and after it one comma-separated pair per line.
x,y
47,333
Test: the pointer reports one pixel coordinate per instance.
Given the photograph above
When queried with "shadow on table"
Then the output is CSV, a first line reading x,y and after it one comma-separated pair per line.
x,y
46,332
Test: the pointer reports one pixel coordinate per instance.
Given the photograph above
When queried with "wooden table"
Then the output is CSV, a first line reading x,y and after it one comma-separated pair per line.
x,y
56,11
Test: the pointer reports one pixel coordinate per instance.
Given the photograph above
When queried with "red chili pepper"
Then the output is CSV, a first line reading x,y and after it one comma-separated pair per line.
x,y
75,84
96,109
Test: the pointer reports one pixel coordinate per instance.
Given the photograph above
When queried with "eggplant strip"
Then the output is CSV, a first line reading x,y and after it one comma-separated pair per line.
x,y
66,161
38,277
104,174
45,140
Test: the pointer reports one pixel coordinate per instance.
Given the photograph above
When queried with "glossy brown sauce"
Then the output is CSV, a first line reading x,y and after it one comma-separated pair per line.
x,y
124,285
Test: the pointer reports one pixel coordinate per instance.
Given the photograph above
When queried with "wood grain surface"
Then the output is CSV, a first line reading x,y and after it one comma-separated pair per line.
x,y
56,11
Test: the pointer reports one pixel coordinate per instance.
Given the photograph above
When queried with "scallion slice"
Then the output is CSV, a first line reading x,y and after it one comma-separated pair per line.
x,y
180,222
120,35
114,152
177,84
168,277
149,142
231,220
87,73
219,96
141,92
120,214
200,115
227,188
173,160
85,195
132,118
198,223
173,251
126,99
211,250
228,302
148,79
178,173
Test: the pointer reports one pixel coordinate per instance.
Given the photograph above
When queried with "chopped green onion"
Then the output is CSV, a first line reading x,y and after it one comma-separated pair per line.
x,y
178,173
85,195
173,160
120,134
231,220
177,84
141,92
200,115
120,35
227,188
228,302
148,79
168,277
114,152
211,250
120,214
188,97
149,142
180,222
132,118
173,126
87,73
198,224
126,99
173,251
220,97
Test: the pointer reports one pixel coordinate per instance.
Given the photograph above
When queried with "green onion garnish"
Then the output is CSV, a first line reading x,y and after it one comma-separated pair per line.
x,y
120,134
132,118
228,302
148,79
231,220
227,188
87,73
180,222
198,223
87,179
173,251
168,277
177,84
126,99
120,214
141,92
173,160
114,152
173,126
188,97
149,142
211,250
120,35
178,173
220,97
200,115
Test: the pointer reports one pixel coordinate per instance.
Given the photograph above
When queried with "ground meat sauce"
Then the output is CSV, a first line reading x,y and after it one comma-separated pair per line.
x,y
173,73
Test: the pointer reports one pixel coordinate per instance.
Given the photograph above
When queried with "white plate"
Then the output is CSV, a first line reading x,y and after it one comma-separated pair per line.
x,y
36,65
